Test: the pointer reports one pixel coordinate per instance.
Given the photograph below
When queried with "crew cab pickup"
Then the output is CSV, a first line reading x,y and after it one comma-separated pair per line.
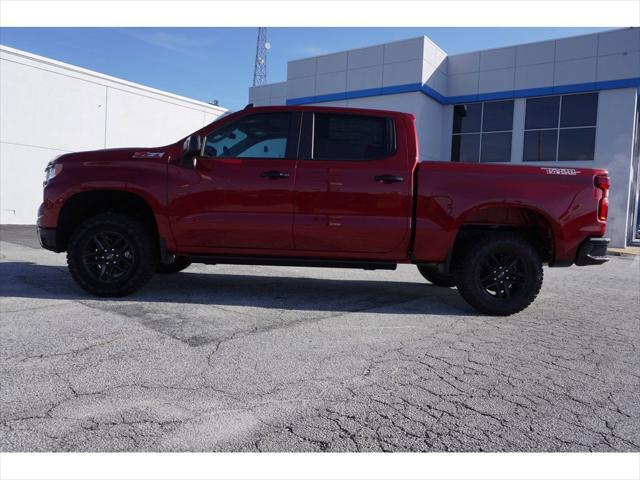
x,y
326,187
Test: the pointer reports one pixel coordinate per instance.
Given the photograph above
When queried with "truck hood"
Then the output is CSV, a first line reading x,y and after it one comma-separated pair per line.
x,y
118,155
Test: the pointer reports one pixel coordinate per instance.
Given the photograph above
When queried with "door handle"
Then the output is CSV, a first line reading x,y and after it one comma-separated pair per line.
x,y
274,175
388,178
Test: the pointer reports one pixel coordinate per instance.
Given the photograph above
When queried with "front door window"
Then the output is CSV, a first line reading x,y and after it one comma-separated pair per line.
x,y
255,136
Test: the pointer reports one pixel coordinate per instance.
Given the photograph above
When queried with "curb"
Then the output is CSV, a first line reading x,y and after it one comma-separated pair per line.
x,y
624,252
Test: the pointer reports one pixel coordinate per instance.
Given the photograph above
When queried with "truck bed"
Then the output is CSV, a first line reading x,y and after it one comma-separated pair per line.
x,y
451,196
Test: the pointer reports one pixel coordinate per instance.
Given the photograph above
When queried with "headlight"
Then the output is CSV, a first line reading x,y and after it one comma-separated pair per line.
x,y
53,169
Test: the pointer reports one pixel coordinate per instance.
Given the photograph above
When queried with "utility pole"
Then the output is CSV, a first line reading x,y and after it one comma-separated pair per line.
x,y
260,65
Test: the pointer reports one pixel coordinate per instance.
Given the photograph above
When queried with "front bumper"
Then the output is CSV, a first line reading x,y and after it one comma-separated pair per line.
x,y
47,237
593,251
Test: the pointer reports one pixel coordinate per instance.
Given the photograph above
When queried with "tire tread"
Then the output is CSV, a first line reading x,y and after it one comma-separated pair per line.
x,y
471,254
142,239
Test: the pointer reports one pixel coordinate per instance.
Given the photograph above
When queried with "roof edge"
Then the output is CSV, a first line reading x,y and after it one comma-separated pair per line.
x,y
102,76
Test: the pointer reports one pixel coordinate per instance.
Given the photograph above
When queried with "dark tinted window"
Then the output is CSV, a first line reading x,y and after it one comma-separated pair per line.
x,y
466,118
563,142
542,112
497,116
540,146
496,147
352,137
579,110
576,144
482,118
465,148
256,136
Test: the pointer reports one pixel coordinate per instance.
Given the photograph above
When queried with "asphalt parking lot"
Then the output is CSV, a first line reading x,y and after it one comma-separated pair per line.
x,y
242,358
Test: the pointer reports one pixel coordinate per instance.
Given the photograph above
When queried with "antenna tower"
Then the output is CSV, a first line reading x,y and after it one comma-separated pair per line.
x,y
260,65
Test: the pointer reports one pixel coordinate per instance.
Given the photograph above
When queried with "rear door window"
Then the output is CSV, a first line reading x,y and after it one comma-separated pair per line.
x,y
352,137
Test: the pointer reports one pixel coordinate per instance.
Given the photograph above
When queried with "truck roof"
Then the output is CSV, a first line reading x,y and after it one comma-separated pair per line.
x,y
307,108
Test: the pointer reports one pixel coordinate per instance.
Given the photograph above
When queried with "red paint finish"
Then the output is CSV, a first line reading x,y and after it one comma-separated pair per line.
x,y
224,202
451,194
333,208
341,207
110,170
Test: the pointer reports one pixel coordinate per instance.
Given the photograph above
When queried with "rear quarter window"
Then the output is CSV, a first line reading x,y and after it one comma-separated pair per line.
x,y
352,137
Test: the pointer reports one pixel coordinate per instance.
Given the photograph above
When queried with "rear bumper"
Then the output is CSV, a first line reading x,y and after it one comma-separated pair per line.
x,y
47,237
593,251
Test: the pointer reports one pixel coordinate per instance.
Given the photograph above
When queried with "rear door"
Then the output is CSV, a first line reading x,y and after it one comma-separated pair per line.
x,y
353,186
238,193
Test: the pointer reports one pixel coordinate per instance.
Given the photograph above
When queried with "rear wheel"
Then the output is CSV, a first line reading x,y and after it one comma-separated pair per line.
x,y
434,276
111,255
499,275
177,264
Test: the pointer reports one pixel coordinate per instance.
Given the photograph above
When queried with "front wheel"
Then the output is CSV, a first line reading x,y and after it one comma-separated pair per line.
x,y
499,275
111,255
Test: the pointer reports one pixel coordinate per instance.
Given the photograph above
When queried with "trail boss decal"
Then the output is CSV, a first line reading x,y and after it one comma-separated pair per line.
x,y
148,155
561,171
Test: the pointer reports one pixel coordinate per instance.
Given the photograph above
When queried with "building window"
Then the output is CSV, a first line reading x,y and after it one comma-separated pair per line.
x,y
560,128
482,132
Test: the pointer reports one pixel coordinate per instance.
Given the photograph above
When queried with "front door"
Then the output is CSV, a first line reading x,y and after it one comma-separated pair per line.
x,y
353,187
239,192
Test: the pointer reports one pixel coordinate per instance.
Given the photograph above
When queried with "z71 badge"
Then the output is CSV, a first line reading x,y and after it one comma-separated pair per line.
x,y
561,171
148,155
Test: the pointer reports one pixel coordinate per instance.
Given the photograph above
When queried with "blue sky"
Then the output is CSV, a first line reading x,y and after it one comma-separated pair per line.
x,y
217,63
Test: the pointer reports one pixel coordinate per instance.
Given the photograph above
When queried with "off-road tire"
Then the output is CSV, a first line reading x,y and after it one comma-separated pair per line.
x,y
434,276
142,250
176,265
478,266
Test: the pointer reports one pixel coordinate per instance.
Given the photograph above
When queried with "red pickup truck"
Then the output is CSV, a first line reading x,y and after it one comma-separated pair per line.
x,y
327,187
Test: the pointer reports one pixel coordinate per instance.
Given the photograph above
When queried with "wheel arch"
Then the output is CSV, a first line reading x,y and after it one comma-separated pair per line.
x,y
529,222
85,204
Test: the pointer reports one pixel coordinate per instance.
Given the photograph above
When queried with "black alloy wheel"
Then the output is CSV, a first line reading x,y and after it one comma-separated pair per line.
x,y
108,256
112,255
502,274
499,273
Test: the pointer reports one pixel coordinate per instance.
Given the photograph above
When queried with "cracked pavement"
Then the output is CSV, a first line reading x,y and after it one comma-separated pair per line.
x,y
242,358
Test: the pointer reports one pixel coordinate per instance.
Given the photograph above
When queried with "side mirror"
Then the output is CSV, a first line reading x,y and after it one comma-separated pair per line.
x,y
192,145
191,150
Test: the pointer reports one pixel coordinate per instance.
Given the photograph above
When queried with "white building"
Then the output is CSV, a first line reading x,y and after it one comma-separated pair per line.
x,y
570,102
48,108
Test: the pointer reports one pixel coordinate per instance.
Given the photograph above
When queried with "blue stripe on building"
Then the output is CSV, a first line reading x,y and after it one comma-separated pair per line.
x,y
438,97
